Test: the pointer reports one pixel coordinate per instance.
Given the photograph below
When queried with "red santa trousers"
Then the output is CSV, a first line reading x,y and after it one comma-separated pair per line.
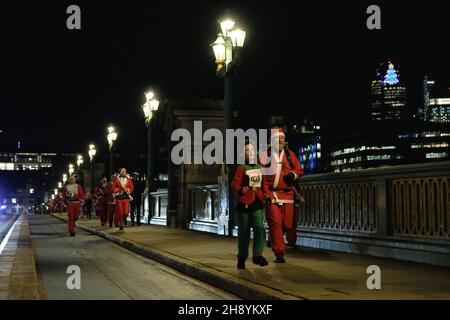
x,y
110,209
279,217
102,212
73,212
122,211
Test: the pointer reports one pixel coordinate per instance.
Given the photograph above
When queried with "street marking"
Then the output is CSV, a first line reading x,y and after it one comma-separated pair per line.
x,y
5,240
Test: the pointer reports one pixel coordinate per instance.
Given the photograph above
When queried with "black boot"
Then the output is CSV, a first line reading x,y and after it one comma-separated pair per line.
x,y
279,258
260,260
120,228
241,263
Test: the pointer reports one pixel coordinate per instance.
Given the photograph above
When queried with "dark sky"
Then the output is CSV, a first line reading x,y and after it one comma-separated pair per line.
x,y
61,88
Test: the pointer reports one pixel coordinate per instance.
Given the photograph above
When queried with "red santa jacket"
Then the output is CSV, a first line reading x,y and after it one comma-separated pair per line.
x,y
274,185
108,192
73,193
122,183
241,180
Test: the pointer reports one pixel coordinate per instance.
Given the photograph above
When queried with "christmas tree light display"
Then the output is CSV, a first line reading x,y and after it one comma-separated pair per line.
x,y
391,75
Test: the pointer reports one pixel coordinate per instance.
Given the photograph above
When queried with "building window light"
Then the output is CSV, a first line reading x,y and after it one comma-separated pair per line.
x,y
436,155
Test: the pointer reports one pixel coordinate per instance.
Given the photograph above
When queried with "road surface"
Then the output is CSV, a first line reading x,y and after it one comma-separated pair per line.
x,y
107,270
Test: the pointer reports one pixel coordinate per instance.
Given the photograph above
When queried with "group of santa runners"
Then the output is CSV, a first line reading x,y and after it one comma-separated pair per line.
x,y
259,196
112,200
272,194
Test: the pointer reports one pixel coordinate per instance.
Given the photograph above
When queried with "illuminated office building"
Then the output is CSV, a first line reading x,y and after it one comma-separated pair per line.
x,y
426,87
12,161
439,110
371,149
388,93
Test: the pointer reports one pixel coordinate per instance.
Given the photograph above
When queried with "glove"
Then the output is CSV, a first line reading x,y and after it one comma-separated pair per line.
x,y
289,178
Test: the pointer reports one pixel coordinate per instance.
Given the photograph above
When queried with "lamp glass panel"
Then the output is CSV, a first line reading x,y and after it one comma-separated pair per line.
x,y
226,26
219,49
147,111
237,38
154,105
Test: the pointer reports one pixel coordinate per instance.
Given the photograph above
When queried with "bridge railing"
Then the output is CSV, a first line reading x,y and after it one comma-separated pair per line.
x,y
408,200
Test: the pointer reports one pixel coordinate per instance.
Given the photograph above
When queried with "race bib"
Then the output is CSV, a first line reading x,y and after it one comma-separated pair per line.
x,y
254,178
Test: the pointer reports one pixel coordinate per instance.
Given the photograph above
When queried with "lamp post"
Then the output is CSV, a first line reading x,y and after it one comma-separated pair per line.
x,y
92,152
71,169
149,108
80,161
111,137
226,51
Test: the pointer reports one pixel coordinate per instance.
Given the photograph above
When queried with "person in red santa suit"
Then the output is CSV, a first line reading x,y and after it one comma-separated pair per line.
x,y
123,187
279,188
100,201
73,195
110,201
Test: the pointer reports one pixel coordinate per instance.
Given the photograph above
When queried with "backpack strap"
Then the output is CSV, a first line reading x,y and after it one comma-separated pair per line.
x,y
288,156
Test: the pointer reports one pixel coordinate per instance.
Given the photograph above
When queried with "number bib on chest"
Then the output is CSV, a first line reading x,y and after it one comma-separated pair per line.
x,y
254,178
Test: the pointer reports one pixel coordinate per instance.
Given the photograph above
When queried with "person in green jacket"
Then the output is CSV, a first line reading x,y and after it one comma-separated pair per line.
x,y
247,183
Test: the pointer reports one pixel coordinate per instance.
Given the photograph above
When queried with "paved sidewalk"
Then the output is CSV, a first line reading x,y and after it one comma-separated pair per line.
x,y
308,273
18,279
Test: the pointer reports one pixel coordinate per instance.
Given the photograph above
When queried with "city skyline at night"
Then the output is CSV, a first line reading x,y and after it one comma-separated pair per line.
x,y
97,75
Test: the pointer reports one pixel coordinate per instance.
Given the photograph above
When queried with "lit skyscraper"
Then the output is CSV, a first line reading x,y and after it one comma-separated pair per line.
x,y
423,111
439,110
388,94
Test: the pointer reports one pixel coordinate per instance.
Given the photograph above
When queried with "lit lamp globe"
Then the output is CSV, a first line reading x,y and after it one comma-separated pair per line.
x,y
60,185
226,25
79,160
92,151
149,95
154,104
64,178
219,51
237,38
147,111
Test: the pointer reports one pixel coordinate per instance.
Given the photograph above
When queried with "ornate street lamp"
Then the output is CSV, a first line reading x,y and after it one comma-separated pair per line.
x,y
92,152
226,51
71,169
149,108
79,161
111,137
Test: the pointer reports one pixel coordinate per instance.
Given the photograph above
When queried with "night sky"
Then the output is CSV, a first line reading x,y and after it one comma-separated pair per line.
x,y
61,88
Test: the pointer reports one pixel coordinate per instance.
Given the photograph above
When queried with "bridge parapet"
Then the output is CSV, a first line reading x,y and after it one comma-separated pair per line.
x,y
403,208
